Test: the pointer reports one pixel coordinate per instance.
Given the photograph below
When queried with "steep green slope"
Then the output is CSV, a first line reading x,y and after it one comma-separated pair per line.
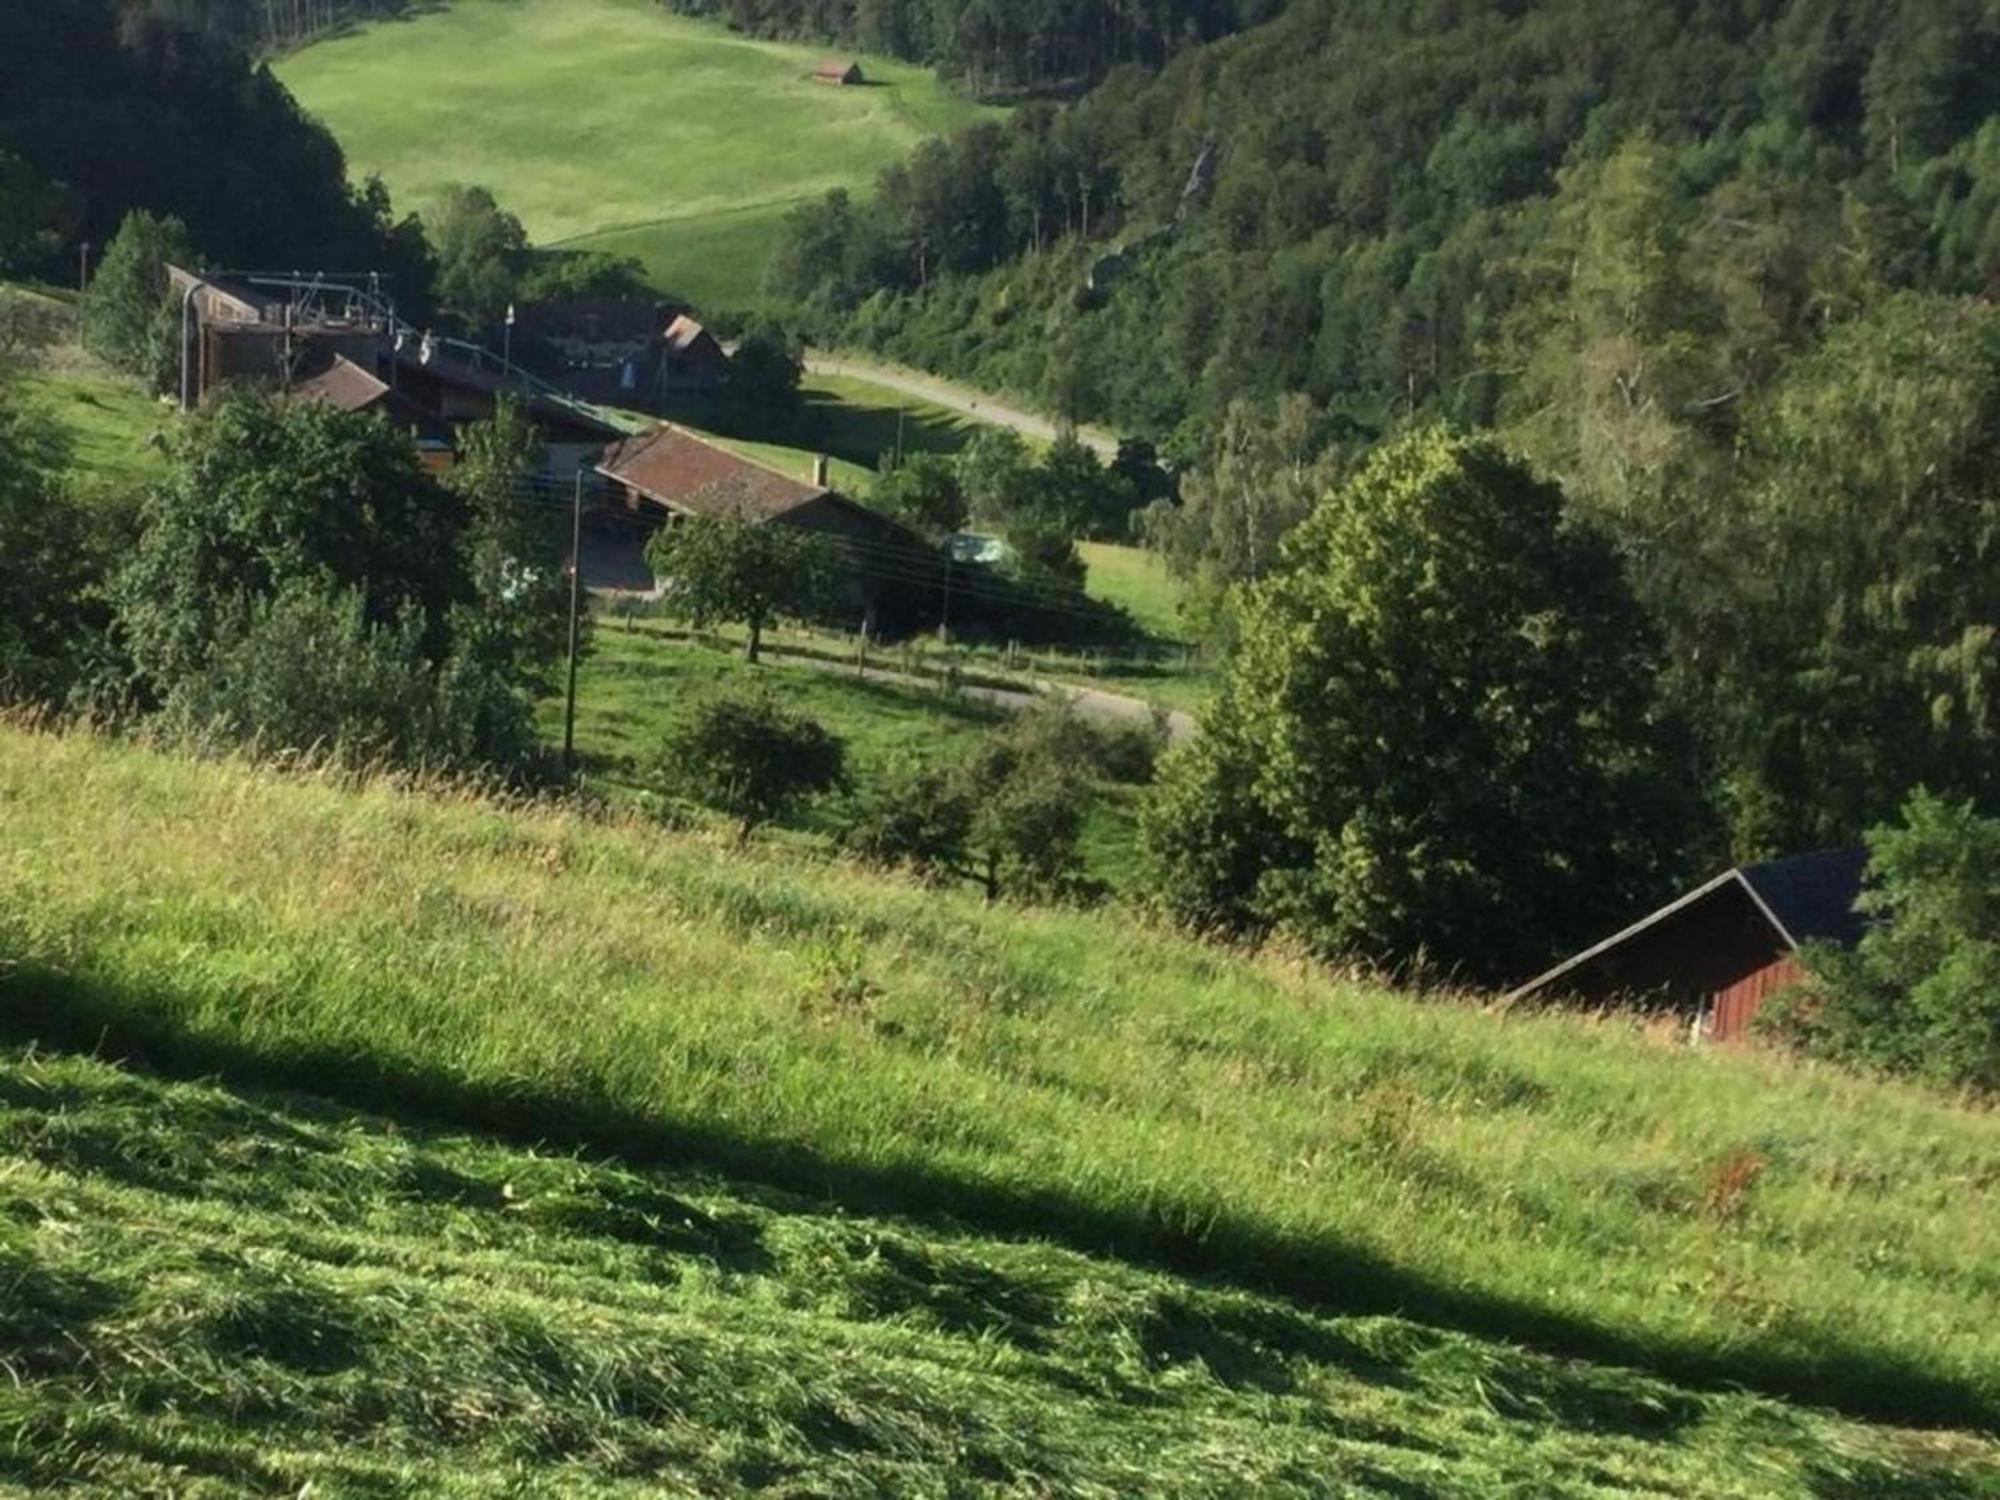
x,y
216,1293
609,124
1722,1216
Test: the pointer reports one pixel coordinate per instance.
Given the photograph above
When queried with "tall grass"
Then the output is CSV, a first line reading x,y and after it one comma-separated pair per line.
x,y
1720,1215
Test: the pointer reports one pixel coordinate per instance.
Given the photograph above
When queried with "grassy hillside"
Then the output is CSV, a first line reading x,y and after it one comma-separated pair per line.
x,y
613,125
108,420
1085,1078
224,1293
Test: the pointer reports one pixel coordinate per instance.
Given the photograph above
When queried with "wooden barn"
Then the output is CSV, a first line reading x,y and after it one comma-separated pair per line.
x,y
1719,952
691,359
672,470
838,71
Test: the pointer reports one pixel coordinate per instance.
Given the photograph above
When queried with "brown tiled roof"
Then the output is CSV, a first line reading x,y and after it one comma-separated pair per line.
x,y
343,384
834,67
687,473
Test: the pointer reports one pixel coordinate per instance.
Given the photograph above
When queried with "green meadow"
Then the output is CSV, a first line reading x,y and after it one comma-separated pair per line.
x,y
217,1291
639,673
1725,1219
614,125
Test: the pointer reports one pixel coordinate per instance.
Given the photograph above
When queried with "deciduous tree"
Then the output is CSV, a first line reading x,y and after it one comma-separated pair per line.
x,y
735,567
1439,744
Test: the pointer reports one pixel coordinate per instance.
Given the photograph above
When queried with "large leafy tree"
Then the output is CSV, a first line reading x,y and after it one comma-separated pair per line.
x,y
261,494
734,567
1861,654
482,251
1267,471
1920,993
1439,743
515,545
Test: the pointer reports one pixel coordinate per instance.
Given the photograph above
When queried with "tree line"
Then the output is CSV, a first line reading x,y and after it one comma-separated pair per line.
x,y
997,50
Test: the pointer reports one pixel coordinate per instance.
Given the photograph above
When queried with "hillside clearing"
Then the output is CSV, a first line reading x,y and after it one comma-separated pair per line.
x,y
614,125
1722,1216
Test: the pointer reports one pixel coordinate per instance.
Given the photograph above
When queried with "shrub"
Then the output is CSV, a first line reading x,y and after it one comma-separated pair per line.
x,y
307,671
744,755
1920,993
1008,817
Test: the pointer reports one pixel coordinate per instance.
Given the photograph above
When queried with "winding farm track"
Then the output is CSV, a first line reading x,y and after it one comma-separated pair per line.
x,y
959,398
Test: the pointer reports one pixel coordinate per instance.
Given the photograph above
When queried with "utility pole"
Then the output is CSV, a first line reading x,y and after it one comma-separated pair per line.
x,y
944,622
507,347
83,266
575,601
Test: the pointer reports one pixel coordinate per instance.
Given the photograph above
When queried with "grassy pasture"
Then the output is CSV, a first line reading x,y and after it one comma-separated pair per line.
x,y
108,421
223,1293
614,125
638,673
1085,1078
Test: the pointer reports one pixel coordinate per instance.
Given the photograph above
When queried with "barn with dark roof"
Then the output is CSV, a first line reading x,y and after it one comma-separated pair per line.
x,y
1721,950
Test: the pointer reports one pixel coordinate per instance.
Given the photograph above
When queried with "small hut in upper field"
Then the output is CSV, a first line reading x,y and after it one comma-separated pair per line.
x,y
1719,952
838,71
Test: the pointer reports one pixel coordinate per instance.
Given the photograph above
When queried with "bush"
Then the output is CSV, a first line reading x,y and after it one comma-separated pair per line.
x,y
1920,993
1008,817
743,755
308,672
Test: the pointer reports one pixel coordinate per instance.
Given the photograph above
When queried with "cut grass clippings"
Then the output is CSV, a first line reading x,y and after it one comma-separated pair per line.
x,y
222,1293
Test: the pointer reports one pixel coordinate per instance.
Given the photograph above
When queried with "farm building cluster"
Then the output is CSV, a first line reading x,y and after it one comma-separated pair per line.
x,y
588,373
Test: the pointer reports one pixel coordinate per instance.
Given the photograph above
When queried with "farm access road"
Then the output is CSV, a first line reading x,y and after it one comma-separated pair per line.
x,y
959,398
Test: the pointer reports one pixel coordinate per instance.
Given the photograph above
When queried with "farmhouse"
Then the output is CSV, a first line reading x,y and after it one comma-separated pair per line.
x,y
602,349
350,387
838,71
1717,953
671,469
692,359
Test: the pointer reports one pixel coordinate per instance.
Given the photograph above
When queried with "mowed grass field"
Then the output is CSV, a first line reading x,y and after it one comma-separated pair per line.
x,y
1727,1218
614,125
640,672
220,1292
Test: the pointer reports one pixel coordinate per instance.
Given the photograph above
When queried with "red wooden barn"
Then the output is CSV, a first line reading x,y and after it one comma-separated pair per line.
x,y
1718,952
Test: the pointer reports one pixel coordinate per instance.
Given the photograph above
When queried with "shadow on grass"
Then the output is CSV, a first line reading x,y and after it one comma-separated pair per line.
x,y
50,1008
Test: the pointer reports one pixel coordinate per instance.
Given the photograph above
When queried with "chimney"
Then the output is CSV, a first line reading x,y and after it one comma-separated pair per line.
x,y
819,470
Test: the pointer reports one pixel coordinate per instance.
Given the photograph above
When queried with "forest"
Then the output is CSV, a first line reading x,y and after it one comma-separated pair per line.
x,y
107,108
1376,205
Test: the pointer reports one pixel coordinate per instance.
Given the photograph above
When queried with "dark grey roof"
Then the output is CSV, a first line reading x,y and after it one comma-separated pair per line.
x,y
1812,895
1804,897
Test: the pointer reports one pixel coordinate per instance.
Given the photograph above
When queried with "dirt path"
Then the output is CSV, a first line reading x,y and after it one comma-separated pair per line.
x,y
959,398
1092,703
